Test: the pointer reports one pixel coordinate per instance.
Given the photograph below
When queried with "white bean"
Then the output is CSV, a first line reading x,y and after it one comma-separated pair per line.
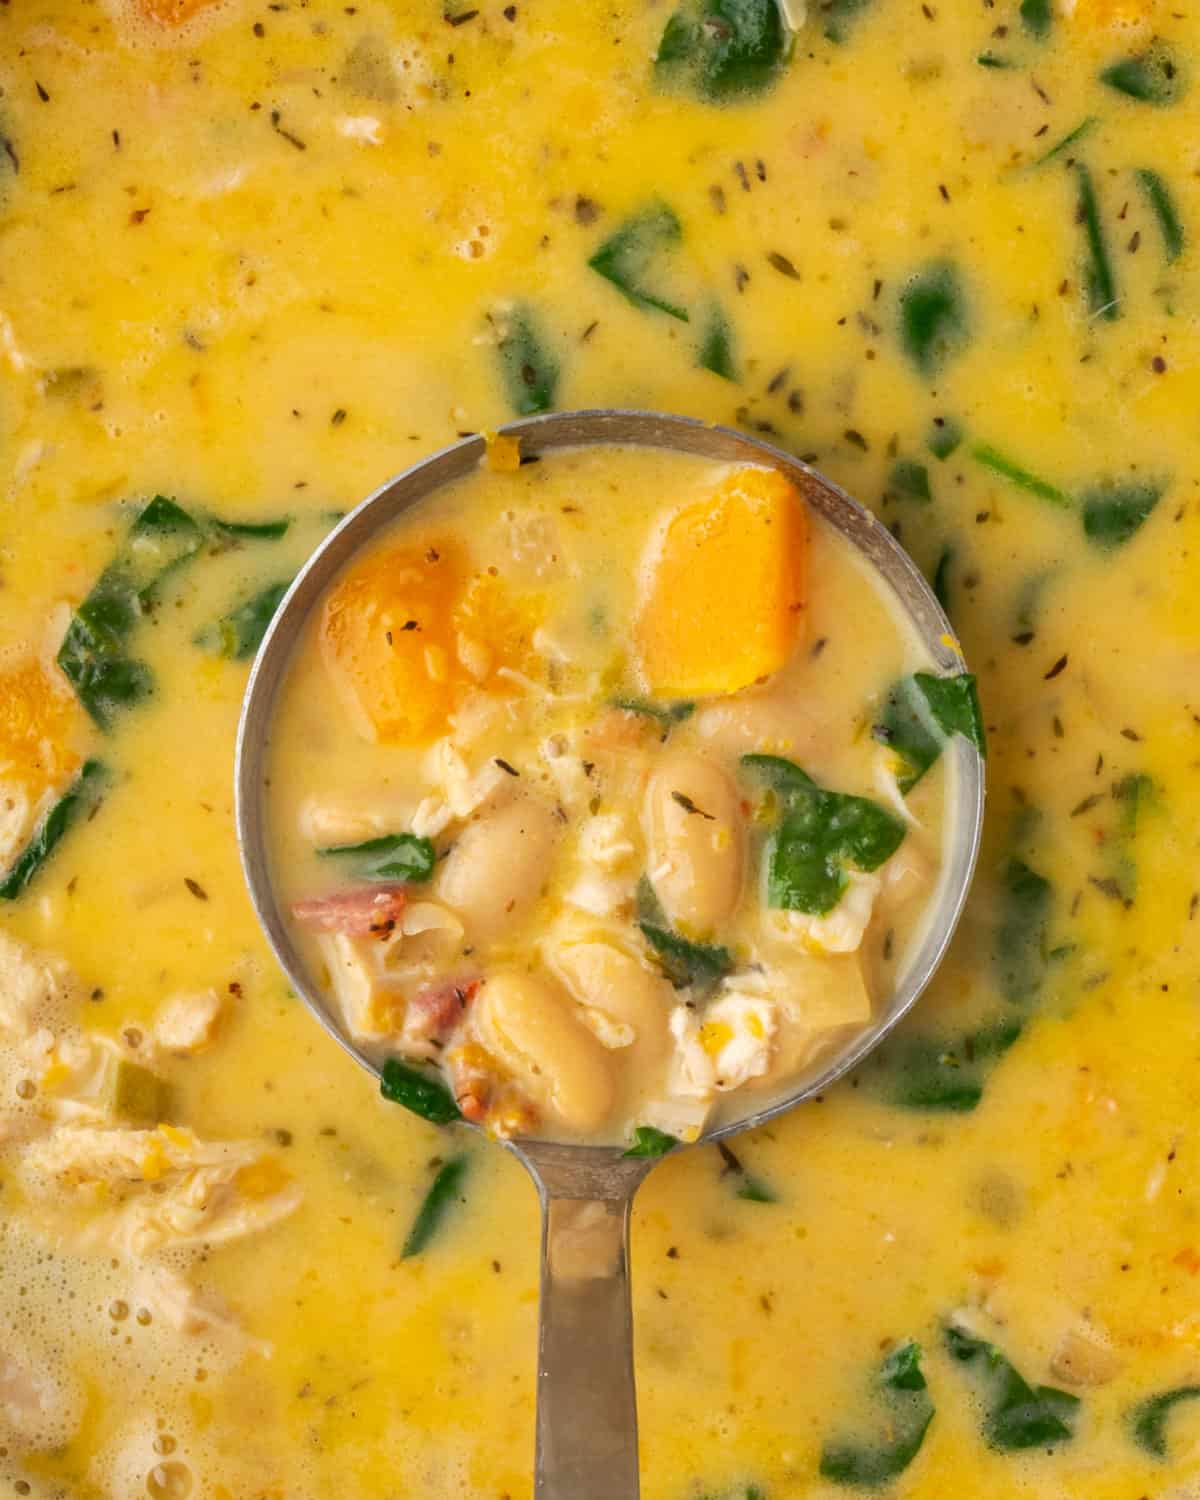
x,y
694,838
604,979
495,872
528,1024
775,719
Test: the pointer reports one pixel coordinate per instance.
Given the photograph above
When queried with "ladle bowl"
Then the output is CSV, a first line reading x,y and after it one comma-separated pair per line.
x,y
586,1406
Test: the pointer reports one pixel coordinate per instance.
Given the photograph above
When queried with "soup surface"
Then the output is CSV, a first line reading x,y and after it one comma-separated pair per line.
x,y
554,835
254,259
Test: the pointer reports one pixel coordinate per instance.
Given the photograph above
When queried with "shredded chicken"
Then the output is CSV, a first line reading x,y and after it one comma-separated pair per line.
x,y
189,1022
173,1299
160,1189
34,987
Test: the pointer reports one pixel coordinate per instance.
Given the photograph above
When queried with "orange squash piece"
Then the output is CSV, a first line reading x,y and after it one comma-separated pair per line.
x,y
36,718
722,601
388,642
502,623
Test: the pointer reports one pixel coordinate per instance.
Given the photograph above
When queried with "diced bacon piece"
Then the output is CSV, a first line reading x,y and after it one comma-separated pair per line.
x,y
364,911
434,1012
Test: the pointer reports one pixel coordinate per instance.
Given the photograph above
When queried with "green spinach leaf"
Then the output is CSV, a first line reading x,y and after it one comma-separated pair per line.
x,y
1068,140
257,531
239,634
1020,943
419,1092
944,1075
445,1190
79,800
920,714
821,833
94,654
395,856
687,964
716,344
940,582
1113,512
910,480
933,316
1036,17
1018,1415
1100,284
529,370
627,258
1151,77
1162,206
1000,463
723,50
1148,1419
902,1393
647,1141
945,434
840,16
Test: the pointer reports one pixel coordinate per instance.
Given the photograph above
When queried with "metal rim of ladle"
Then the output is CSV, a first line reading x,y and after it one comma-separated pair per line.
x,y
592,428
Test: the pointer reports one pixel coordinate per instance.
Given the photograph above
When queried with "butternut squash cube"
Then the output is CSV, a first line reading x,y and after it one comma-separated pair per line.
x,y
388,642
724,588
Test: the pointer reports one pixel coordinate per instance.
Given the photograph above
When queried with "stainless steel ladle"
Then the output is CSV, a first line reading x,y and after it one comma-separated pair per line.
x,y
586,1412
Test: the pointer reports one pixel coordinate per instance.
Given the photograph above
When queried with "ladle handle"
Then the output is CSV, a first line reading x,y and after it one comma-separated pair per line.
x,y
587,1445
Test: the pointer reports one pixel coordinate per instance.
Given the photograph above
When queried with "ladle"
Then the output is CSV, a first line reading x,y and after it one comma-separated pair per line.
x,y
586,1407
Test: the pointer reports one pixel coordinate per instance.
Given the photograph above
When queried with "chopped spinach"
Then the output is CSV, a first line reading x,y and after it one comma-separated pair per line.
x,y
1148,1419
754,1190
1162,205
920,714
259,531
723,50
1000,463
944,1075
529,370
649,1142
445,1190
1132,794
941,577
395,856
631,251
1068,140
1113,512
1018,1415
907,1409
1036,17
1151,77
716,343
910,480
686,964
419,1092
945,434
94,656
840,16
933,316
239,634
77,801
820,834
1020,942
1099,282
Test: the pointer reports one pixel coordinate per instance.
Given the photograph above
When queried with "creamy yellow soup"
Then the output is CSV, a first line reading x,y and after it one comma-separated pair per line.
x,y
258,259
574,796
